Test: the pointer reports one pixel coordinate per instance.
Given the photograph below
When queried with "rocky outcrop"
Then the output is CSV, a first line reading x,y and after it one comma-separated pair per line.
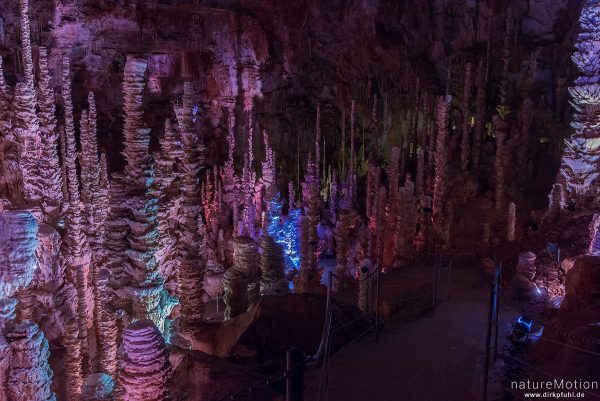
x,y
29,376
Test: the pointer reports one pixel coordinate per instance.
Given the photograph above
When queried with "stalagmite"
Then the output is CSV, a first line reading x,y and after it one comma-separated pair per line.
x,y
73,357
581,156
29,376
50,173
144,368
501,131
272,265
26,125
481,83
90,173
594,247
526,265
246,261
556,204
192,264
511,222
439,186
4,102
78,252
420,179
465,145
235,285
106,325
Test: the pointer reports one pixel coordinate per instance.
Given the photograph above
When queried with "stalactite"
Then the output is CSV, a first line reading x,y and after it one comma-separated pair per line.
x,y
144,367
192,262
511,222
30,376
439,189
50,174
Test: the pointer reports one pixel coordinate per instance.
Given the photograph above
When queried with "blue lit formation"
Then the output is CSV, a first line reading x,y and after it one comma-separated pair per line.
x,y
286,232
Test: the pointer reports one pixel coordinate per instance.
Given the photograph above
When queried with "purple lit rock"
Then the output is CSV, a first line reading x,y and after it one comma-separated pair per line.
x,y
144,367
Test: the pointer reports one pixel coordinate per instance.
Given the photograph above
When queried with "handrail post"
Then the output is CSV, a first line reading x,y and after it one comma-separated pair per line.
x,y
294,374
377,303
497,310
488,340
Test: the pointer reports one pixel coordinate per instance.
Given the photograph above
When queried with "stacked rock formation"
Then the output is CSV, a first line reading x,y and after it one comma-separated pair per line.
x,y
235,286
272,265
50,173
26,125
144,367
192,264
246,261
29,376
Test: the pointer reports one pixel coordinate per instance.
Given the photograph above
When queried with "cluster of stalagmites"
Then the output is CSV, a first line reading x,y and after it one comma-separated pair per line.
x,y
117,253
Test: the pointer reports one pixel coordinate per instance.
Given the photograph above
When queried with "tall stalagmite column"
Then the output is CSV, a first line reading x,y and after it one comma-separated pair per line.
x,y
192,262
439,184
78,253
581,156
148,297
50,174
26,125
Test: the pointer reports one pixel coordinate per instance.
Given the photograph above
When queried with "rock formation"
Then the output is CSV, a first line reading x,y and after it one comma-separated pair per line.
x,y
144,368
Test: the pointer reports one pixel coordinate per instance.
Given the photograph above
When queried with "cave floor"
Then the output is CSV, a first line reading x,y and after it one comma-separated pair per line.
x,y
436,357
